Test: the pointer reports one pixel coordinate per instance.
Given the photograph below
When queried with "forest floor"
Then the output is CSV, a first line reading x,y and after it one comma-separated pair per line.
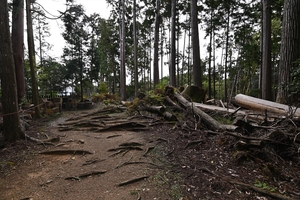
x,y
160,162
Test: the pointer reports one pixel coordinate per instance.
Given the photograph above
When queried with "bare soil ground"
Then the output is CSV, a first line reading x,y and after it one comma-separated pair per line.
x,y
166,163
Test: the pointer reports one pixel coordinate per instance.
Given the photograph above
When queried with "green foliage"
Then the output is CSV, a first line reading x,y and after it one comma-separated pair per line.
x,y
105,97
102,88
264,186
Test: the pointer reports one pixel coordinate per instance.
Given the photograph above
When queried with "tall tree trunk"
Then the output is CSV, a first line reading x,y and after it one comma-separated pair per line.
x,y
290,47
136,70
31,53
183,63
214,66
156,42
18,46
177,54
266,53
197,71
189,58
210,52
226,55
11,121
162,52
172,66
122,53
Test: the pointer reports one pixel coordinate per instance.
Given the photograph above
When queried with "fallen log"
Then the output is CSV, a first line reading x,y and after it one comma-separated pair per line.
x,y
253,103
249,114
208,120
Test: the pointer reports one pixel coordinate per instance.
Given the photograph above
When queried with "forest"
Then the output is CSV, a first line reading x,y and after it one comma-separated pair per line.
x,y
201,96
251,48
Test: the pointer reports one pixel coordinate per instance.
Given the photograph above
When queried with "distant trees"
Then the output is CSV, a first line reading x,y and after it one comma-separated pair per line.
x,y
108,50
76,36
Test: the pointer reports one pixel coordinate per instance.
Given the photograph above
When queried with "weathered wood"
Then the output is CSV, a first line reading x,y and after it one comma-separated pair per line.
x,y
170,102
208,120
155,109
253,103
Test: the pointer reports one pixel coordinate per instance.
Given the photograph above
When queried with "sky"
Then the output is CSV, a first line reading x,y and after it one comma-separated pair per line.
x,y
56,29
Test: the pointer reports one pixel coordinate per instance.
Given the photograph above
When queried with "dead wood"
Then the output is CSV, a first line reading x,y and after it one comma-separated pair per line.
x,y
65,152
132,181
173,105
154,109
261,191
85,175
169,116
264,105
208,120
265,138
247,186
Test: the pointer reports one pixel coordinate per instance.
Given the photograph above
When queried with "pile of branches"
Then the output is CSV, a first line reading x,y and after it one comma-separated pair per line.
x,y
253,130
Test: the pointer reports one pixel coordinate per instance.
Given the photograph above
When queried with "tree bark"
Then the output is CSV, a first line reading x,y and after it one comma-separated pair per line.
x,y
208,120
290,47
172,66
11,121
32,61
265,106
266,53
156,41
18,46
136,70
197,71
122,52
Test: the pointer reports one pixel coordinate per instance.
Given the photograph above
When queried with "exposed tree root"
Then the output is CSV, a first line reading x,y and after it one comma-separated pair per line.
x,y
192,143
89,162
132,181
148,150
85,175
126,144
126,148
65,152
112,136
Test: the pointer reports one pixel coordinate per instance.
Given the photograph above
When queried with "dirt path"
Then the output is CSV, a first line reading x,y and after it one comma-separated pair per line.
x,y
38,176
182,164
